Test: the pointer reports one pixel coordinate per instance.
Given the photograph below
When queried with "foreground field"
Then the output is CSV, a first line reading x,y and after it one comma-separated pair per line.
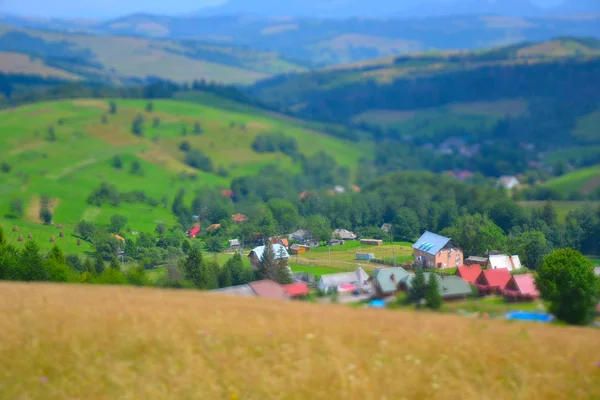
x,y
66,342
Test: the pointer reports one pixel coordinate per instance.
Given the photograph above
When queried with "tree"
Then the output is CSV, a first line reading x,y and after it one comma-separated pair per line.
x,y
5,167
112,107
85,229
197,128
532,247
215,244
406,225
283,275
193,269
155,122
566,280
285,214
16,209
319,227
476,234
98,263
2,237
51,136
57,255
549,214
117,162
149,107
267,266
114,263
196,158
212,275
506,214
45,212
225,276
137,126
117,222
432,292
185,146
88,266
418,287
136,168
104,119
31,263
161,229
74,261
239,274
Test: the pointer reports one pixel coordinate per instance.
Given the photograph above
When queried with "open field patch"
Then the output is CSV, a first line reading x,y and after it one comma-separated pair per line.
x,y
145,343
583,181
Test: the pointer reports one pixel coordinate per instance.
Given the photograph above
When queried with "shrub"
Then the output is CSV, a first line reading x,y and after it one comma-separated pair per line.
x,y
104,119
16,209
51,135
112,107
197,159
149,107
45,212
5,167
137,126
198,128
185,146
136,168
117,162
155,122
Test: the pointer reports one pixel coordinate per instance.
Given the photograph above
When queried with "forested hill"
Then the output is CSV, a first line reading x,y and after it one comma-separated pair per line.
x,y
530,92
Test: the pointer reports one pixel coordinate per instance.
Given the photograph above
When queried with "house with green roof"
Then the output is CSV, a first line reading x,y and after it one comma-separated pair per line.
x,y
386,281
451,286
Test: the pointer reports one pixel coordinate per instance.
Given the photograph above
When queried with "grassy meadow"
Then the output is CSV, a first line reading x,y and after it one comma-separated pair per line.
x,y
71,167
92,342
583,181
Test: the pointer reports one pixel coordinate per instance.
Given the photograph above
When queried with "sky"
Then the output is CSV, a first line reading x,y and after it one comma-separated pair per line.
x,y
103,9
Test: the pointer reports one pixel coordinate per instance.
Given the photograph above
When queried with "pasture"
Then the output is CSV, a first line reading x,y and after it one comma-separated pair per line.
x,y
65,150
71,341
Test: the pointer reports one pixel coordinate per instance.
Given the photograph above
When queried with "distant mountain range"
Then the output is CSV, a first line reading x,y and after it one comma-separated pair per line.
x,y
394,8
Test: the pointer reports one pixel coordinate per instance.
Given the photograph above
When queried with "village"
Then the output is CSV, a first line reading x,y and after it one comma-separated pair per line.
x,y
488,285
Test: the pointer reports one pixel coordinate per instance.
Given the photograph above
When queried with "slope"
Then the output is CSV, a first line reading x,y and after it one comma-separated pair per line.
x,y
66,149
111,342
123,59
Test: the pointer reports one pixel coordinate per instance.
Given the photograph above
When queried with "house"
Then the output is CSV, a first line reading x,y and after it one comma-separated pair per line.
x,y
304,195
387,228
227,193
344,234
359,279
336,242
299,249
119,237
296,290
371,242
469,273
304,237
213,227
239,218
195,231
257,253
284,242
435,251
451,287
385,281
339,189
365,256
234,244
521,287
511,263
240,290
492,281
355,189
473,260
268,289
508,182
597,271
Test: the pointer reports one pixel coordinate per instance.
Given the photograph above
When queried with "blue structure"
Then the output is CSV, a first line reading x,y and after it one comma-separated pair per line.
x,y
529,316
365,256
377,304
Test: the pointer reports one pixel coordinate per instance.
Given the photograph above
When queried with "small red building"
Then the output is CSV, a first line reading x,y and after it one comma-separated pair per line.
x,y
469,273
521,288
296,290
493,281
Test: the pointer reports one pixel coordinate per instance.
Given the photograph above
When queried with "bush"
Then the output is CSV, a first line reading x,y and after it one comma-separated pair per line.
x,y
5,167
51,135
185,146
149,107
45,212
197,159
16,209
117,162
197,128
137,126
112,107
110,276
155,122
136,168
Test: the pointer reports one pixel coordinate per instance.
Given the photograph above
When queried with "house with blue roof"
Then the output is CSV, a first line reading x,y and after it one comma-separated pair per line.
x,y
256,254
436,251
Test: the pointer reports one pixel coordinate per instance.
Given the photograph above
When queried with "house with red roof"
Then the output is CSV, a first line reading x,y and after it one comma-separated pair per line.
x,y
521,288
213,227
492,281
239,218
469,273
297,290
195,231
227,193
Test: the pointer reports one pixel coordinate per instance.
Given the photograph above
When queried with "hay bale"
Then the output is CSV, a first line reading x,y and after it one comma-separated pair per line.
x,y
59,226
61,234
52,239
29,235
78,242
20,239
15,228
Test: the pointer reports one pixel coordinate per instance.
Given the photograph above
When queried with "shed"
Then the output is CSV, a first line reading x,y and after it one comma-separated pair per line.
x,y
521,287
358,278
473,260
298,289
365,256
269,290
344,234
240,290
386,280
299,249
511,263
493,280
371,242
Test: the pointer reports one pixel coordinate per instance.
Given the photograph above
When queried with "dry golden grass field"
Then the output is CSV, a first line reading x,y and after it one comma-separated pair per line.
x,y
87,342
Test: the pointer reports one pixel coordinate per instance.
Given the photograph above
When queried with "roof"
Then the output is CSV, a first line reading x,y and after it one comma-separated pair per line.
x,y
386,228
275,240
359,278
227,193
344,234
388,278
269,289
237,218
296,289
525,284
277,249
597,271
495,277
431,243
450,286
479,260
301,233
121,238
240,290
469,274
213,226
195,230
234,242
504,261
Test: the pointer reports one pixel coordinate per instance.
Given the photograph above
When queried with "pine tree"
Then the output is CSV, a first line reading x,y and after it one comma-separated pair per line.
x,y
57,255
113,107
2,238
99,264
418,287
432,293
212,276
192,267
31,263
197,128
114,263
225,276
149,107
236,266
267,267
284,274
88,266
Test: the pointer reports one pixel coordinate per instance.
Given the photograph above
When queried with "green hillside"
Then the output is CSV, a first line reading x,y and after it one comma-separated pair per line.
x,y
118,59
583,181
70,163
